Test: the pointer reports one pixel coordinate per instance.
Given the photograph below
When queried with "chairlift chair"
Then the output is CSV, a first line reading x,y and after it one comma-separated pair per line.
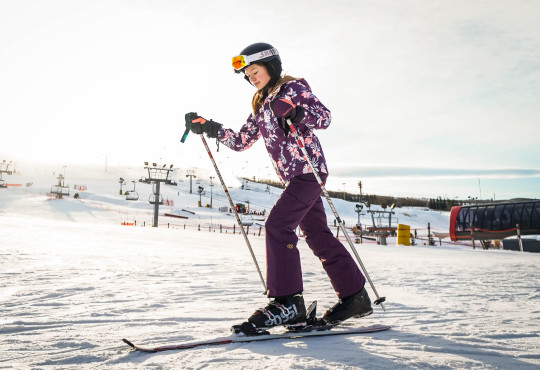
x,y
152,199
59,191
132,195
247,220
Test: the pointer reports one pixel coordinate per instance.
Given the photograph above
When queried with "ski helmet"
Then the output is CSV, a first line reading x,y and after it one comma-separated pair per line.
x,y
259,52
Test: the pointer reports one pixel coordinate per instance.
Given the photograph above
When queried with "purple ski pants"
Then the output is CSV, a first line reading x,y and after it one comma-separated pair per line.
x,y
301,205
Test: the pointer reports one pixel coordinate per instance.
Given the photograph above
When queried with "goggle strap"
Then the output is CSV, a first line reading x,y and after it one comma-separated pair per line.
x,y
260,55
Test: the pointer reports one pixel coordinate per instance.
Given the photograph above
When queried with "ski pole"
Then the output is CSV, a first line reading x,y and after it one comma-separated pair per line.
x,y
300,141
233,207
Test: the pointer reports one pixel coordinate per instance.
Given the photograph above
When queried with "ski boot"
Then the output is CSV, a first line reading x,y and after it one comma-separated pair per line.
x,y
289,311
357,305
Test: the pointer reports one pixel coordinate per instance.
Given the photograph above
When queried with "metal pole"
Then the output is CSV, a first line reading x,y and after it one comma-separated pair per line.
x,y
300,142
233,207
519,238
211,192
472,235
156,204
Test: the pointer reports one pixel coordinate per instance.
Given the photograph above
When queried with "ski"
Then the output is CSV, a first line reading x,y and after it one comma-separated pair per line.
x,y
235,338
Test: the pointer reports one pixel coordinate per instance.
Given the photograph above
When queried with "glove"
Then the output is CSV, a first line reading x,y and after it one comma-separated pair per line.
x,y
199,125
285,109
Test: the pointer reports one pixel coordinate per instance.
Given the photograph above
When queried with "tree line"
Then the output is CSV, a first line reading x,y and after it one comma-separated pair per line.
x,y
440,203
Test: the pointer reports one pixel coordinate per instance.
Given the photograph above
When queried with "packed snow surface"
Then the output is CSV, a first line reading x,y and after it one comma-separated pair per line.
x,y
74,282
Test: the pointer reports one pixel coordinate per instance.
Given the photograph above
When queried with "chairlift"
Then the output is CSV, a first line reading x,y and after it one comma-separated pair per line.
x,y
246,220
132,194
152,199
60,190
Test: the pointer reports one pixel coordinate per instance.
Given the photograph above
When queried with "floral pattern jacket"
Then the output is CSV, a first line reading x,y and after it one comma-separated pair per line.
x,y
284,152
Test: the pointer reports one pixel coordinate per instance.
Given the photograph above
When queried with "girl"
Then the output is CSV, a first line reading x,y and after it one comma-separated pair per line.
x,y
278,98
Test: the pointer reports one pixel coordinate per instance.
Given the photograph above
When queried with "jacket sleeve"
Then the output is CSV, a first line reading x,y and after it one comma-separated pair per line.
x,y
238,141
316,115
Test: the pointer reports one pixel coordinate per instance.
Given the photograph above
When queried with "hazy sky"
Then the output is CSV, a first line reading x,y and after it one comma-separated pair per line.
x,y
428,97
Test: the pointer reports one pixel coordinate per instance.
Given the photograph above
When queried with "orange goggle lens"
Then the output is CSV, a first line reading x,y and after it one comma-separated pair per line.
x,y
238,62
241,61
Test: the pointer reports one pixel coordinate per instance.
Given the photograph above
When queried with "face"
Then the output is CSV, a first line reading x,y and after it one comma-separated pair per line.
x,y
258,75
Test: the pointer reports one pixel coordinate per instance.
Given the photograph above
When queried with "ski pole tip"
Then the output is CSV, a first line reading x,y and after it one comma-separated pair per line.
x,y
380,302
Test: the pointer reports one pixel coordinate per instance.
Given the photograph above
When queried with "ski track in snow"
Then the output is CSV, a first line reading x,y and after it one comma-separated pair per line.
x,y
73,283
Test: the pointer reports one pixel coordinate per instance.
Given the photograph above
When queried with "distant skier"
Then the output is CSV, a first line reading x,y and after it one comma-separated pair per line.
x,y
280,97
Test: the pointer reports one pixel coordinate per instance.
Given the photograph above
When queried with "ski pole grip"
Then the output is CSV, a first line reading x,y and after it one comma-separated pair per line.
x,y
189,118
184,137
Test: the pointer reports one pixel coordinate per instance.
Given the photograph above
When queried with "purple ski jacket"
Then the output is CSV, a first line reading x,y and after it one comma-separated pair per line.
x,y
284,152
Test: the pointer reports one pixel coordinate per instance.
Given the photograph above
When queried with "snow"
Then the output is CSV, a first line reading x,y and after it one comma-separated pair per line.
x,y
74,282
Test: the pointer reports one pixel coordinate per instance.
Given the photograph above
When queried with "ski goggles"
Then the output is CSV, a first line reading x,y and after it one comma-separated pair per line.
x,y
242,61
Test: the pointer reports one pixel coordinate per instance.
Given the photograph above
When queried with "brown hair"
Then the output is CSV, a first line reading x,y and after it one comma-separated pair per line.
x,y
260,96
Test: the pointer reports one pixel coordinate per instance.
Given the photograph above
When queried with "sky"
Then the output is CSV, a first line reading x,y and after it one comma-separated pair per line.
x,y
428,98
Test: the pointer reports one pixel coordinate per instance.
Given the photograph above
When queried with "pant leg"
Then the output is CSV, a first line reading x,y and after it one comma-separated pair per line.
x,y
344,274
283,270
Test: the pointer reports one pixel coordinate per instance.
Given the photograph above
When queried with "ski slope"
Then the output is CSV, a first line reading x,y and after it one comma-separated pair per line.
x,y
74,282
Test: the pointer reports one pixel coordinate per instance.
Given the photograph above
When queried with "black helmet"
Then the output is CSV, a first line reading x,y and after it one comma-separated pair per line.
x,y
259,52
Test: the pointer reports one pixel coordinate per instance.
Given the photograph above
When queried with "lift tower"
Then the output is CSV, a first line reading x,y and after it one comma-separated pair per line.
x,y
157,175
